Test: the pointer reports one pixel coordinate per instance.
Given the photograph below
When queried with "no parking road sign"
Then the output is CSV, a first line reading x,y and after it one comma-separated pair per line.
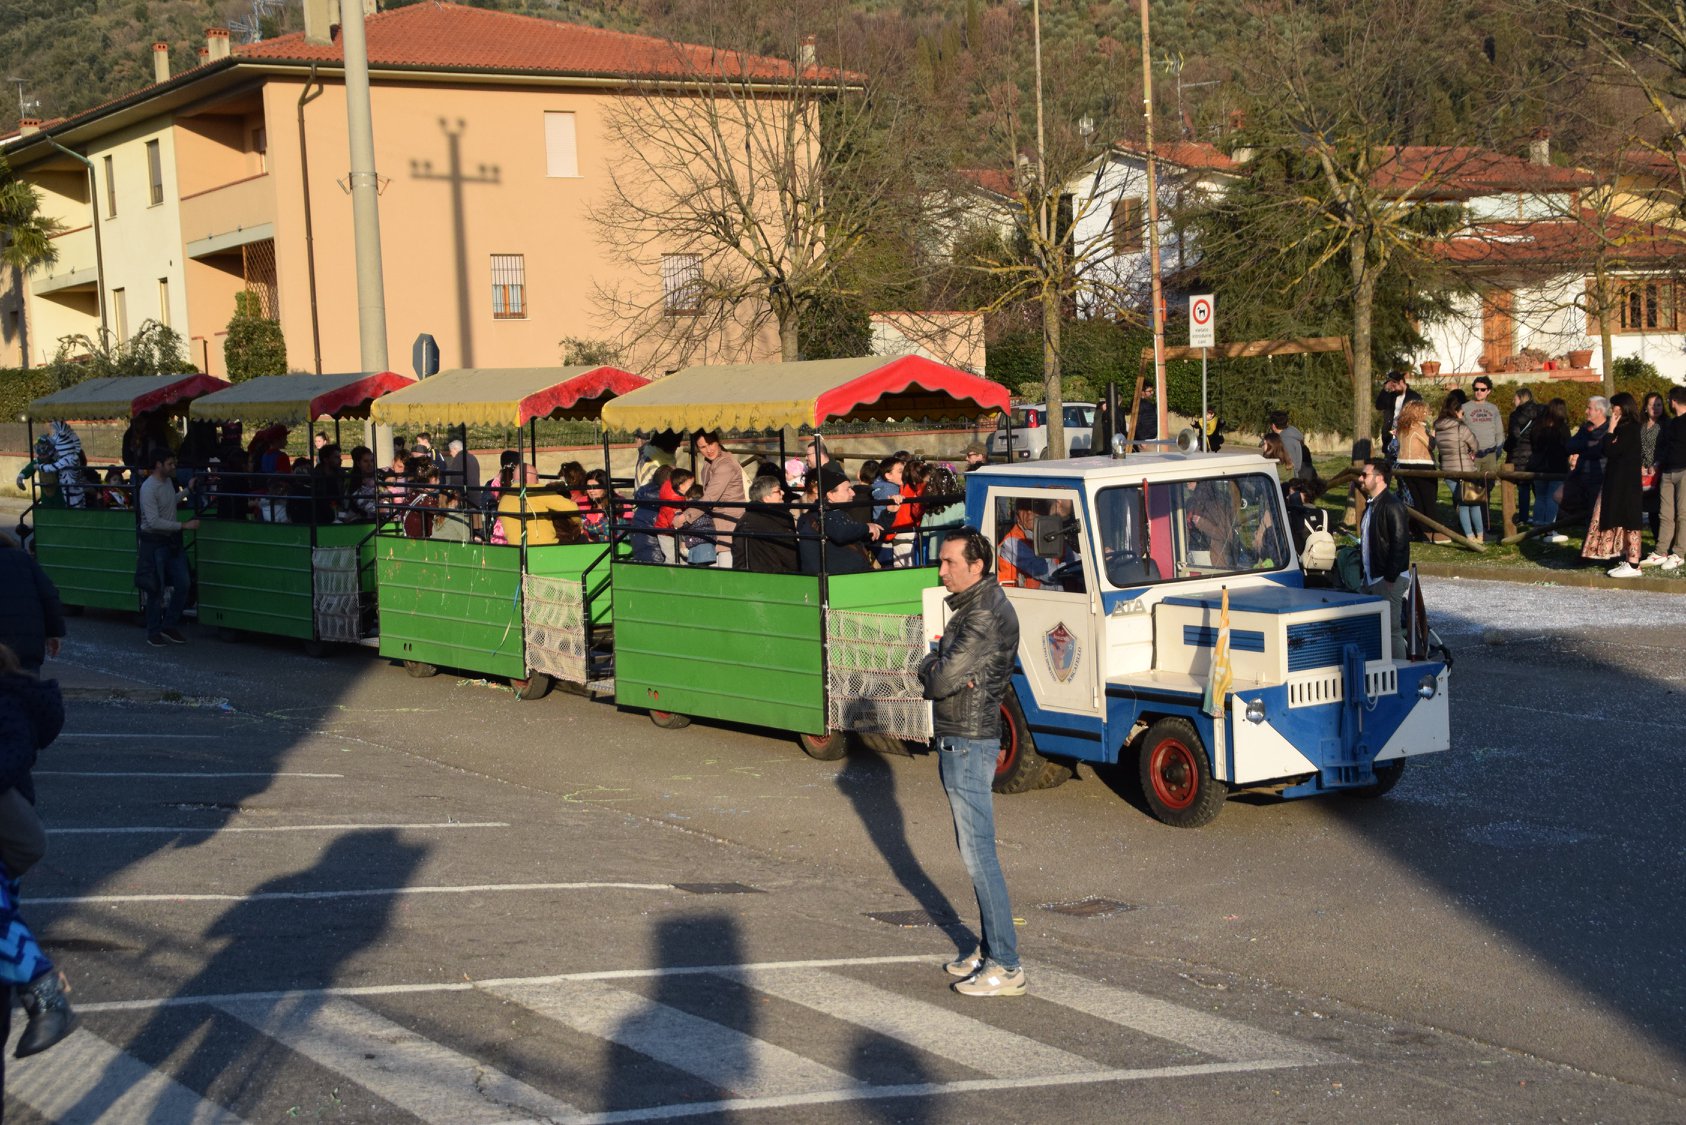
x,y
1202,321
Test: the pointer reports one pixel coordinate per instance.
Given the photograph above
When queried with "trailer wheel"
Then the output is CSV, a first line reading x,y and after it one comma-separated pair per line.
x,y
535,686
1018,767
827,747
1177,775
669,720
1387,776
316,649
885,744
420,671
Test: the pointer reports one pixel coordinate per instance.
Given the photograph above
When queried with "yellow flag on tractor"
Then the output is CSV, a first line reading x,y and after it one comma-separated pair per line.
x,y
1221,676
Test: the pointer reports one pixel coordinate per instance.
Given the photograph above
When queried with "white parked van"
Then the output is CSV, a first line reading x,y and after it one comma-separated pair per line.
x,y
1030,432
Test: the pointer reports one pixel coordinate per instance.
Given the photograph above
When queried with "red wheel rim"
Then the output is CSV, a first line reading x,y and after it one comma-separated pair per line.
x,y
1175,778
1009,752
818,741
661,716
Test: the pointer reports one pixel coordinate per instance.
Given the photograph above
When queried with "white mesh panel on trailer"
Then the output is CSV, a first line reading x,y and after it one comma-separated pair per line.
x,y
554,616
338,604
870,680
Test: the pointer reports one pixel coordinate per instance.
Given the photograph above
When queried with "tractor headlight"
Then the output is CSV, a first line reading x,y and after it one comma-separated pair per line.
x,y
1255,711
1428,687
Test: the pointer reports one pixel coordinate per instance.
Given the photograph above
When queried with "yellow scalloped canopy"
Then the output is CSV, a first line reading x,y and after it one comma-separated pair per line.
x,y
299,398
505,396
770,396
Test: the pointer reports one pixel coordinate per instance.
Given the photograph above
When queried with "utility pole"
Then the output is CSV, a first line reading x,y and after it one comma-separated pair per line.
x,y
365,209
1153,233
1052,254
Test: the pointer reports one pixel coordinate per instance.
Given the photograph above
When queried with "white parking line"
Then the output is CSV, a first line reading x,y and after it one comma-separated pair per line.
x,y
721,1056
152,773
149,734
935,1030
414,1073
353,991
1208,1034
130,830
85,1080
367,892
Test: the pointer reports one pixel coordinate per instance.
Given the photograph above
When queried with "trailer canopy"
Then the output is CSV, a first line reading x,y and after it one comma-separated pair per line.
x,y
769,396
126,396
505,396
299,398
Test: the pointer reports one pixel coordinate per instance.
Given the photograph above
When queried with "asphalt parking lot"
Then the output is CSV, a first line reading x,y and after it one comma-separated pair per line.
x,y
297,889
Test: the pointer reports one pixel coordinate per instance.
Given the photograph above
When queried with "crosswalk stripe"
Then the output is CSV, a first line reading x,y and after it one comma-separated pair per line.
x,y
719,1055
1208,1034
928,1027
84,1081
412,1072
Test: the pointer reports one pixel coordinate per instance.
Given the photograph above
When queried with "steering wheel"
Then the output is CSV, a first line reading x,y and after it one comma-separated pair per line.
x,y
1065,572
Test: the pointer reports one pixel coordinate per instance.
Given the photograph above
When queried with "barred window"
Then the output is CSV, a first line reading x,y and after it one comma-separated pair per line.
x,y
509,286
682,284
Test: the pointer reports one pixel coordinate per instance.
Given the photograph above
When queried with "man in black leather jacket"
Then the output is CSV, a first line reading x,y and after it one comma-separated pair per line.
x,y
1385,541
966,679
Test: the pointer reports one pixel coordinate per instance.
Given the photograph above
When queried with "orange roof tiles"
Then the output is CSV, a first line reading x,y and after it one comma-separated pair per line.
x,y
995,180
1458,171
449,36
1194,155
1563,242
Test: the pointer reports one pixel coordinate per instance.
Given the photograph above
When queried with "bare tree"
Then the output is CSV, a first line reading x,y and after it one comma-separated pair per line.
x,y
754,183
1332,82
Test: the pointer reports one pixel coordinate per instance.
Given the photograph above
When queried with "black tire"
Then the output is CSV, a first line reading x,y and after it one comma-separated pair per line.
x,y
827,747
74,610
316,649
419,670
227,635
885,744
1018,767
1387,776
670,720
1176,775
535,686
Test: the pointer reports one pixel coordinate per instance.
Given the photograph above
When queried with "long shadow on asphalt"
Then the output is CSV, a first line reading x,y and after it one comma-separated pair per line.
x,y
869,782
313,941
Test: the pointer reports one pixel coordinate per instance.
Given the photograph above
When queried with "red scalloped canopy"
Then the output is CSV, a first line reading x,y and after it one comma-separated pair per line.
x,y
601,382
184,391
895,379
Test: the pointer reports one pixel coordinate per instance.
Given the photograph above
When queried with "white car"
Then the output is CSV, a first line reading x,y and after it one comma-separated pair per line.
x,y
1030,432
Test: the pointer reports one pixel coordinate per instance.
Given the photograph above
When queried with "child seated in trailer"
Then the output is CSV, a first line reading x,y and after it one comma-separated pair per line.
x,y
594,513
272,506
116,491
451,524
675,498
698,540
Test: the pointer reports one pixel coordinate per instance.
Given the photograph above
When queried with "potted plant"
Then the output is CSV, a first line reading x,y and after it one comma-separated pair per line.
x,y
1430,368
1580,357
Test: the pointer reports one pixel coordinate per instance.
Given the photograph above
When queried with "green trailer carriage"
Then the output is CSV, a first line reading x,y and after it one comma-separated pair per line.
x,y
89,552
821,656
521,612
314,582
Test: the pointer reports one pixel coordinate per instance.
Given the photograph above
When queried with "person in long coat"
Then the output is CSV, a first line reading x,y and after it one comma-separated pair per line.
x,y
1618,515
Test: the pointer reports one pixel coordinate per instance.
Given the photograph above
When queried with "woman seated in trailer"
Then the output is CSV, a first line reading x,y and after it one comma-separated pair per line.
x,y
550,517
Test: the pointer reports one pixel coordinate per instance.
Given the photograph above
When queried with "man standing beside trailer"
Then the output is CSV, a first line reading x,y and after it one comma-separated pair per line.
x,y
966,679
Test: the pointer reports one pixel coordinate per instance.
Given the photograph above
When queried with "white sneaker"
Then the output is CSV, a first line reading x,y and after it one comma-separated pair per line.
x,y
1675,562
1557,537
1624,571
1653,559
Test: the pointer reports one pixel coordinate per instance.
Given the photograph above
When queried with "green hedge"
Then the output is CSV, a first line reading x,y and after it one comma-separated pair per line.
x,y
20,387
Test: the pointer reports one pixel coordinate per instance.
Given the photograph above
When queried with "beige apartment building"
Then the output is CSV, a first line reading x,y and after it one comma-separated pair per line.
x,y
492,151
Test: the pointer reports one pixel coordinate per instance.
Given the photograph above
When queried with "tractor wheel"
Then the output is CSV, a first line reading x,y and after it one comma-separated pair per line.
x,y
1177,775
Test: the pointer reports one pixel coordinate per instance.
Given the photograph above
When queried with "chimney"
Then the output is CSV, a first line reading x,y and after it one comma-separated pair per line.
x,y
29,125
160,62
1539,147
320,19
204,56
806,54
216,43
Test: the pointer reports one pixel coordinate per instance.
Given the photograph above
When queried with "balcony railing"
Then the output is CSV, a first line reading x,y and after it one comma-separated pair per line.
x,y
222,214
77,264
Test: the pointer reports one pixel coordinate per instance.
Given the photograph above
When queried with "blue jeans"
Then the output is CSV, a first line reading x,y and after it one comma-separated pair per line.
x,y
168,568
1524,501
1545,501
967,766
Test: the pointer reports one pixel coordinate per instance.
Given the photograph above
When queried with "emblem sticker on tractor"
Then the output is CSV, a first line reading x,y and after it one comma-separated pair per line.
x,y
1060,646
